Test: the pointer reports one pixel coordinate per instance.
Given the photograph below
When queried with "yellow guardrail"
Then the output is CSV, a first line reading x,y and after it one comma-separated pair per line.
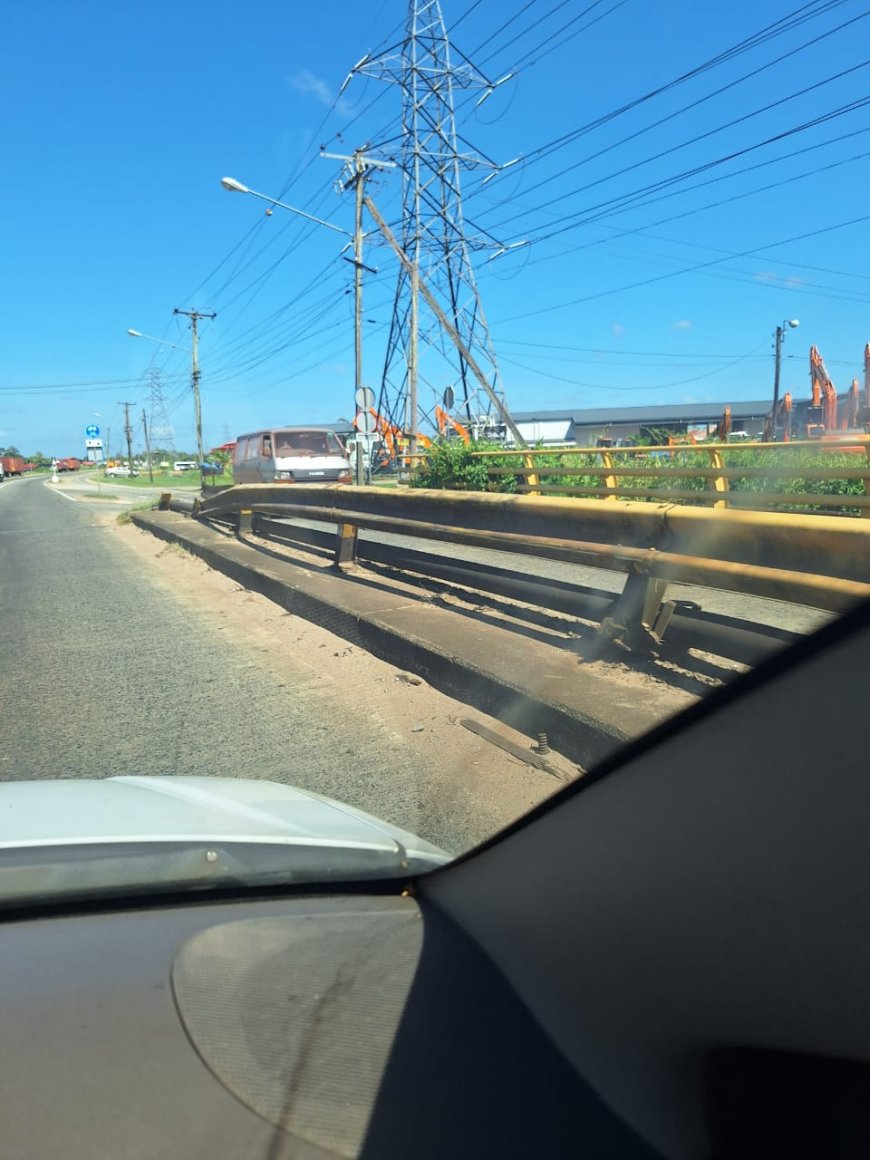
x,y
816,560
663,465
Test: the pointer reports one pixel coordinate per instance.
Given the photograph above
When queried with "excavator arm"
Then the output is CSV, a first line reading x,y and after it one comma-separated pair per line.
x,y
822,413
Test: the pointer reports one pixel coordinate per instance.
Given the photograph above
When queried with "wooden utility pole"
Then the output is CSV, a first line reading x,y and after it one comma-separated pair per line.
x,y
195,316
128,431
359,190
359,165
147,447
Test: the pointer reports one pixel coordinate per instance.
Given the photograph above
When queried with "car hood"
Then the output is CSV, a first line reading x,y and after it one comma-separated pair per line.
x,y
80,837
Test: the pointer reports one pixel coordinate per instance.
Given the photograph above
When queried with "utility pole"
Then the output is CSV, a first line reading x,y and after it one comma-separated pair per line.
x,y
358,165
147,446
195,316
413,344
777,367
128,431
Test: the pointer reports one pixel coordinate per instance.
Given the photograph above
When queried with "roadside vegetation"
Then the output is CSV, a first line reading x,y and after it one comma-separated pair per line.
x,y
452,465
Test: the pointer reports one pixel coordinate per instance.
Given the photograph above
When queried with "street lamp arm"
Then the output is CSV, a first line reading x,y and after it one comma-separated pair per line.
x,y
234,186
151,338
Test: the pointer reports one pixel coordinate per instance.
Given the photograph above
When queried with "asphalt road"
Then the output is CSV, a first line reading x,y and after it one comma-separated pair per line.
x,y
103,672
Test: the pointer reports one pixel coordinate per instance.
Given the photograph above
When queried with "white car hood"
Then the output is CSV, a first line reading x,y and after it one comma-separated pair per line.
x,y
65,835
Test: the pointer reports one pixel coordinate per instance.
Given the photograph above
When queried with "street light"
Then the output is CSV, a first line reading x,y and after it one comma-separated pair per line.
x,y
788,324
234,186
162,341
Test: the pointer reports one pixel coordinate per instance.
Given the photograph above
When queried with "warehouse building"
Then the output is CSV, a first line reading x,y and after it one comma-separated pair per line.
x,y
585,426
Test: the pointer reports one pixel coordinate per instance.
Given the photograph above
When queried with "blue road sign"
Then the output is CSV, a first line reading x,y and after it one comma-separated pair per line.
x,y
92,431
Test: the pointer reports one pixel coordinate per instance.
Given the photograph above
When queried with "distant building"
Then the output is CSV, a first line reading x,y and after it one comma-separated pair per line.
x,y
584,426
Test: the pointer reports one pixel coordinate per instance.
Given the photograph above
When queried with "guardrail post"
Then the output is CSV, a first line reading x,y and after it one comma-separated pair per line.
x,y
345,546
533,480
718,482
609,480
640,614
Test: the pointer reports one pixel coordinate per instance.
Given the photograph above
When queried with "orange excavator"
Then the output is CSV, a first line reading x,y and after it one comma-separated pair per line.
x,y
395,440
443,419
851,417
723,429
822,412
782,419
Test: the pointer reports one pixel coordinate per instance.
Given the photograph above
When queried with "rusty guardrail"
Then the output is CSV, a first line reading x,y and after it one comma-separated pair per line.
x,y
662,465
821,561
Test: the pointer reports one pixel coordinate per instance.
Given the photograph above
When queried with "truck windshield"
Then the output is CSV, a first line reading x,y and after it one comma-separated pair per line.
x,y
307,443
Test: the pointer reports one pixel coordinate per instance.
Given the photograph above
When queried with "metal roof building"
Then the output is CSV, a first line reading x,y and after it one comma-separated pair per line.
x,y
584,425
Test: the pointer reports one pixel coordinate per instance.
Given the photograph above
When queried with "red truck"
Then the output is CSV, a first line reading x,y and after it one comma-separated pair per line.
x,y
11,465
68,464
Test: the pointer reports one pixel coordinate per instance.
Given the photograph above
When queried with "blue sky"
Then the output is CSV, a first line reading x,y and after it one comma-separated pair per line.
x,y
121,120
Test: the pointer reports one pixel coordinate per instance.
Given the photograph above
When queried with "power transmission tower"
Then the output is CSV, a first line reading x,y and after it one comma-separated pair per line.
x,y
161,429
433,232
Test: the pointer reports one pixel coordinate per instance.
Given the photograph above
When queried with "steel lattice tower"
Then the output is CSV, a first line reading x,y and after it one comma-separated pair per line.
x,y
158,418
433,232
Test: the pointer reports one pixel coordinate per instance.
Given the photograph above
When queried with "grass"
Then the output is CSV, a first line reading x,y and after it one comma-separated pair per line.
x,y
125,517
167,480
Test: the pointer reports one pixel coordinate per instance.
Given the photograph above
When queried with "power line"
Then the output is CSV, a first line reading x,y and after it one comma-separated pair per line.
x,y
688,269
632,199
709,133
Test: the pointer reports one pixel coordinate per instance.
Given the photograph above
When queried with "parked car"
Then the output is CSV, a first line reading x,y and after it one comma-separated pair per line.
x,y
121,469
184,465
208,468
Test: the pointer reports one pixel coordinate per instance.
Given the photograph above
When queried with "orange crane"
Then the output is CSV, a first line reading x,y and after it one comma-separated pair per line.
x,y
723,430
822,413
864,413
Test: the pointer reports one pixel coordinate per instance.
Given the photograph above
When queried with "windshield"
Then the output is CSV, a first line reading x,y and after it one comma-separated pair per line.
x,y
296,443
575,358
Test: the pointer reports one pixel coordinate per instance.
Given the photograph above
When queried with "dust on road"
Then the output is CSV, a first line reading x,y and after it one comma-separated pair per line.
x,y
388,724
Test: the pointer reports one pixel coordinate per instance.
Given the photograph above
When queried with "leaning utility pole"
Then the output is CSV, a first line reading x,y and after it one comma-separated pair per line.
x,y
195,316
128,431
147,446
357,168
452,333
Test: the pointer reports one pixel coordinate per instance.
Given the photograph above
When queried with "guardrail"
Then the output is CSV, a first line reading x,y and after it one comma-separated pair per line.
x,y
662,465
820,561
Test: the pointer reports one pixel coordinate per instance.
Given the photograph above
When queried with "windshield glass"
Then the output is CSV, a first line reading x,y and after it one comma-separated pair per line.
x,y
384,446
295,443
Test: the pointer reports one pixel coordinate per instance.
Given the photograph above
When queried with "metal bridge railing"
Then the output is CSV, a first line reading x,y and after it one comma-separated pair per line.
x,y
662,466
815,560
